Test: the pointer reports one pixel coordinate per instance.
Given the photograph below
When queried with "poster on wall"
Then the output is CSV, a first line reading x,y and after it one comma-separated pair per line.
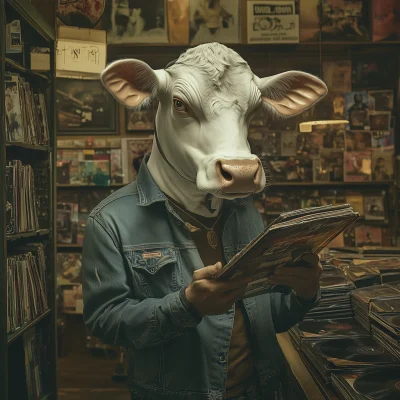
x,y
272,22
137,21
214,21
84,106
81,13
178,21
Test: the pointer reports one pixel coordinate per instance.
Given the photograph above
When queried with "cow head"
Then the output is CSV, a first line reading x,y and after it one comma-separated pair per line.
x,y
206,101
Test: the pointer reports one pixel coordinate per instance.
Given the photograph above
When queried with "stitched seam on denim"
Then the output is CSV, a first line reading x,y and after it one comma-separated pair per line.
x,y
148,246
106,202
109,233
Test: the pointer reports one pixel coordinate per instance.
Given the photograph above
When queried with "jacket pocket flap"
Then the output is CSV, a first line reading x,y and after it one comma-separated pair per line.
x,y
151,260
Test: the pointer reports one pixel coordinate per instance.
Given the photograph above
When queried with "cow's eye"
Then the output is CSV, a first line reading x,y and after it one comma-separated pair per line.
x,y
180,106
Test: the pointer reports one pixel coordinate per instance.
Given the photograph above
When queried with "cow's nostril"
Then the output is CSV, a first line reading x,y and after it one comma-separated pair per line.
x,y
227,176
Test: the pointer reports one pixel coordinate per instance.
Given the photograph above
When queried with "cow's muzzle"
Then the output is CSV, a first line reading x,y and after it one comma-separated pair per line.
x,y
239,176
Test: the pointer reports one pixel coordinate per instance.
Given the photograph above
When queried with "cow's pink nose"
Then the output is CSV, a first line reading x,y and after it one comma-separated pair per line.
x,y
239,176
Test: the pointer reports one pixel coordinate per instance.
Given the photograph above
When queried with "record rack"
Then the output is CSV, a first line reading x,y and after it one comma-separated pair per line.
x,y
27,246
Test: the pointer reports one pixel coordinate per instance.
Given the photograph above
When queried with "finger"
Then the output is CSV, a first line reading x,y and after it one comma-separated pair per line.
x,y
207,272
228,286
235,295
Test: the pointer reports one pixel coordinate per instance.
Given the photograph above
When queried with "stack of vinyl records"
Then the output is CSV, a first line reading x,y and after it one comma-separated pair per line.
x,y
360,275
312,330
335,296
26,285
26,115
361,299
21,208
385,323
346,355
383,384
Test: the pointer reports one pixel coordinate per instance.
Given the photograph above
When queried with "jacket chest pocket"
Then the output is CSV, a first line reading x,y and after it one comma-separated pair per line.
x,y
156,272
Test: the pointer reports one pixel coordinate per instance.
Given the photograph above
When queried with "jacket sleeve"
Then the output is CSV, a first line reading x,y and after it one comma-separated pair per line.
x,y
111,311
288,309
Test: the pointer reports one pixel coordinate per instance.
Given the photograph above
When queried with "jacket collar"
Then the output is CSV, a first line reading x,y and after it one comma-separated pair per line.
x,y
150,193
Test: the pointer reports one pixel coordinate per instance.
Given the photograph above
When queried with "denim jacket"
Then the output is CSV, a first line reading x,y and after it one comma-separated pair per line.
x,y
137,255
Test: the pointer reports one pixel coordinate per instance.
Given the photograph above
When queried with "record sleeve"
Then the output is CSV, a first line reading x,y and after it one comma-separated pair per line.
x,y
383,385
385,20
178,21
283,243
357,166
133,152
272,22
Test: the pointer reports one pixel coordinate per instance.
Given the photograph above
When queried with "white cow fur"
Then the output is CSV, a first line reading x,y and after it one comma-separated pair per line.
x,y
222,94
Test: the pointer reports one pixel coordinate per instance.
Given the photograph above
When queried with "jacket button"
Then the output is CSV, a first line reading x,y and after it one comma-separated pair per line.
x,y
222,359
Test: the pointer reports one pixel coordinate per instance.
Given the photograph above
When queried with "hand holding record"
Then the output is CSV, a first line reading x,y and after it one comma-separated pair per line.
x,y
303,277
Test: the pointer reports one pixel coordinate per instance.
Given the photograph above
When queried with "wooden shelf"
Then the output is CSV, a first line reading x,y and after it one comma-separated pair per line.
x,y
66,186
327,184
31,15
69,246
28,146
25,327
11,64
16,236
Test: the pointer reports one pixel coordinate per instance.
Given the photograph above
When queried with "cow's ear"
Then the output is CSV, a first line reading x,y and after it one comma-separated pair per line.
x,y
130,81
292,92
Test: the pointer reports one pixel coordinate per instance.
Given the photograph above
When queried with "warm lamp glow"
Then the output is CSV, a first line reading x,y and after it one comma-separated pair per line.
x,y
307,126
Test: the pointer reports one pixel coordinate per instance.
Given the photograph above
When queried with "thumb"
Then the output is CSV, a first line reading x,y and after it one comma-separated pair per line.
x,y
207,272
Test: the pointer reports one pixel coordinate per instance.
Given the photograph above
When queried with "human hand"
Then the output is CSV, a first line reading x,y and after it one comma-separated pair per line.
x,y
302,278
210,296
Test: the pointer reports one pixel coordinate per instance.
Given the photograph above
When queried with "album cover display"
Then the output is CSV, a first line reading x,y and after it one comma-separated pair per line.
x,y
358,140
337,75
329,166
288,143
272,22
214,21
382,165
271,143
357,166
178,21
309,20
142,120
81,13
83,106
308,144
385,20
285,240
375,208
345,21
357,110
368,236
140,21
133,152
357,202
388,305
379,120
381,100
67,222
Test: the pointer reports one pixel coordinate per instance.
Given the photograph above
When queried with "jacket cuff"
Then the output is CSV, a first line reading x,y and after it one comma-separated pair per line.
x,y
183,314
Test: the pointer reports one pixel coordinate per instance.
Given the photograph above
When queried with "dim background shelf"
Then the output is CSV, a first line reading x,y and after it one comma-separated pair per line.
x,y
28,146
16,236
20,331
11,64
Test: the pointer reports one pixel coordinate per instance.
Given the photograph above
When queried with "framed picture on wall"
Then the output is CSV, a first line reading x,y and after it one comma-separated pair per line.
x,y
142,120
84,106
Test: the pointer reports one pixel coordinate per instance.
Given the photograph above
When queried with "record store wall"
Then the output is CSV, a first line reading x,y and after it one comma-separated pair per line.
x,y
355,50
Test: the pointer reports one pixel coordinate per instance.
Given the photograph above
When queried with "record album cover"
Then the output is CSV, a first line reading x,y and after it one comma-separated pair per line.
x,y
137,21
357,166
178,21
379,120
69,268
382,165
288,143
309,20
357,202
337,75
381,100
344,20
385,20
272,22
368,236
358,140
133,152
214,21
357,111
375,207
